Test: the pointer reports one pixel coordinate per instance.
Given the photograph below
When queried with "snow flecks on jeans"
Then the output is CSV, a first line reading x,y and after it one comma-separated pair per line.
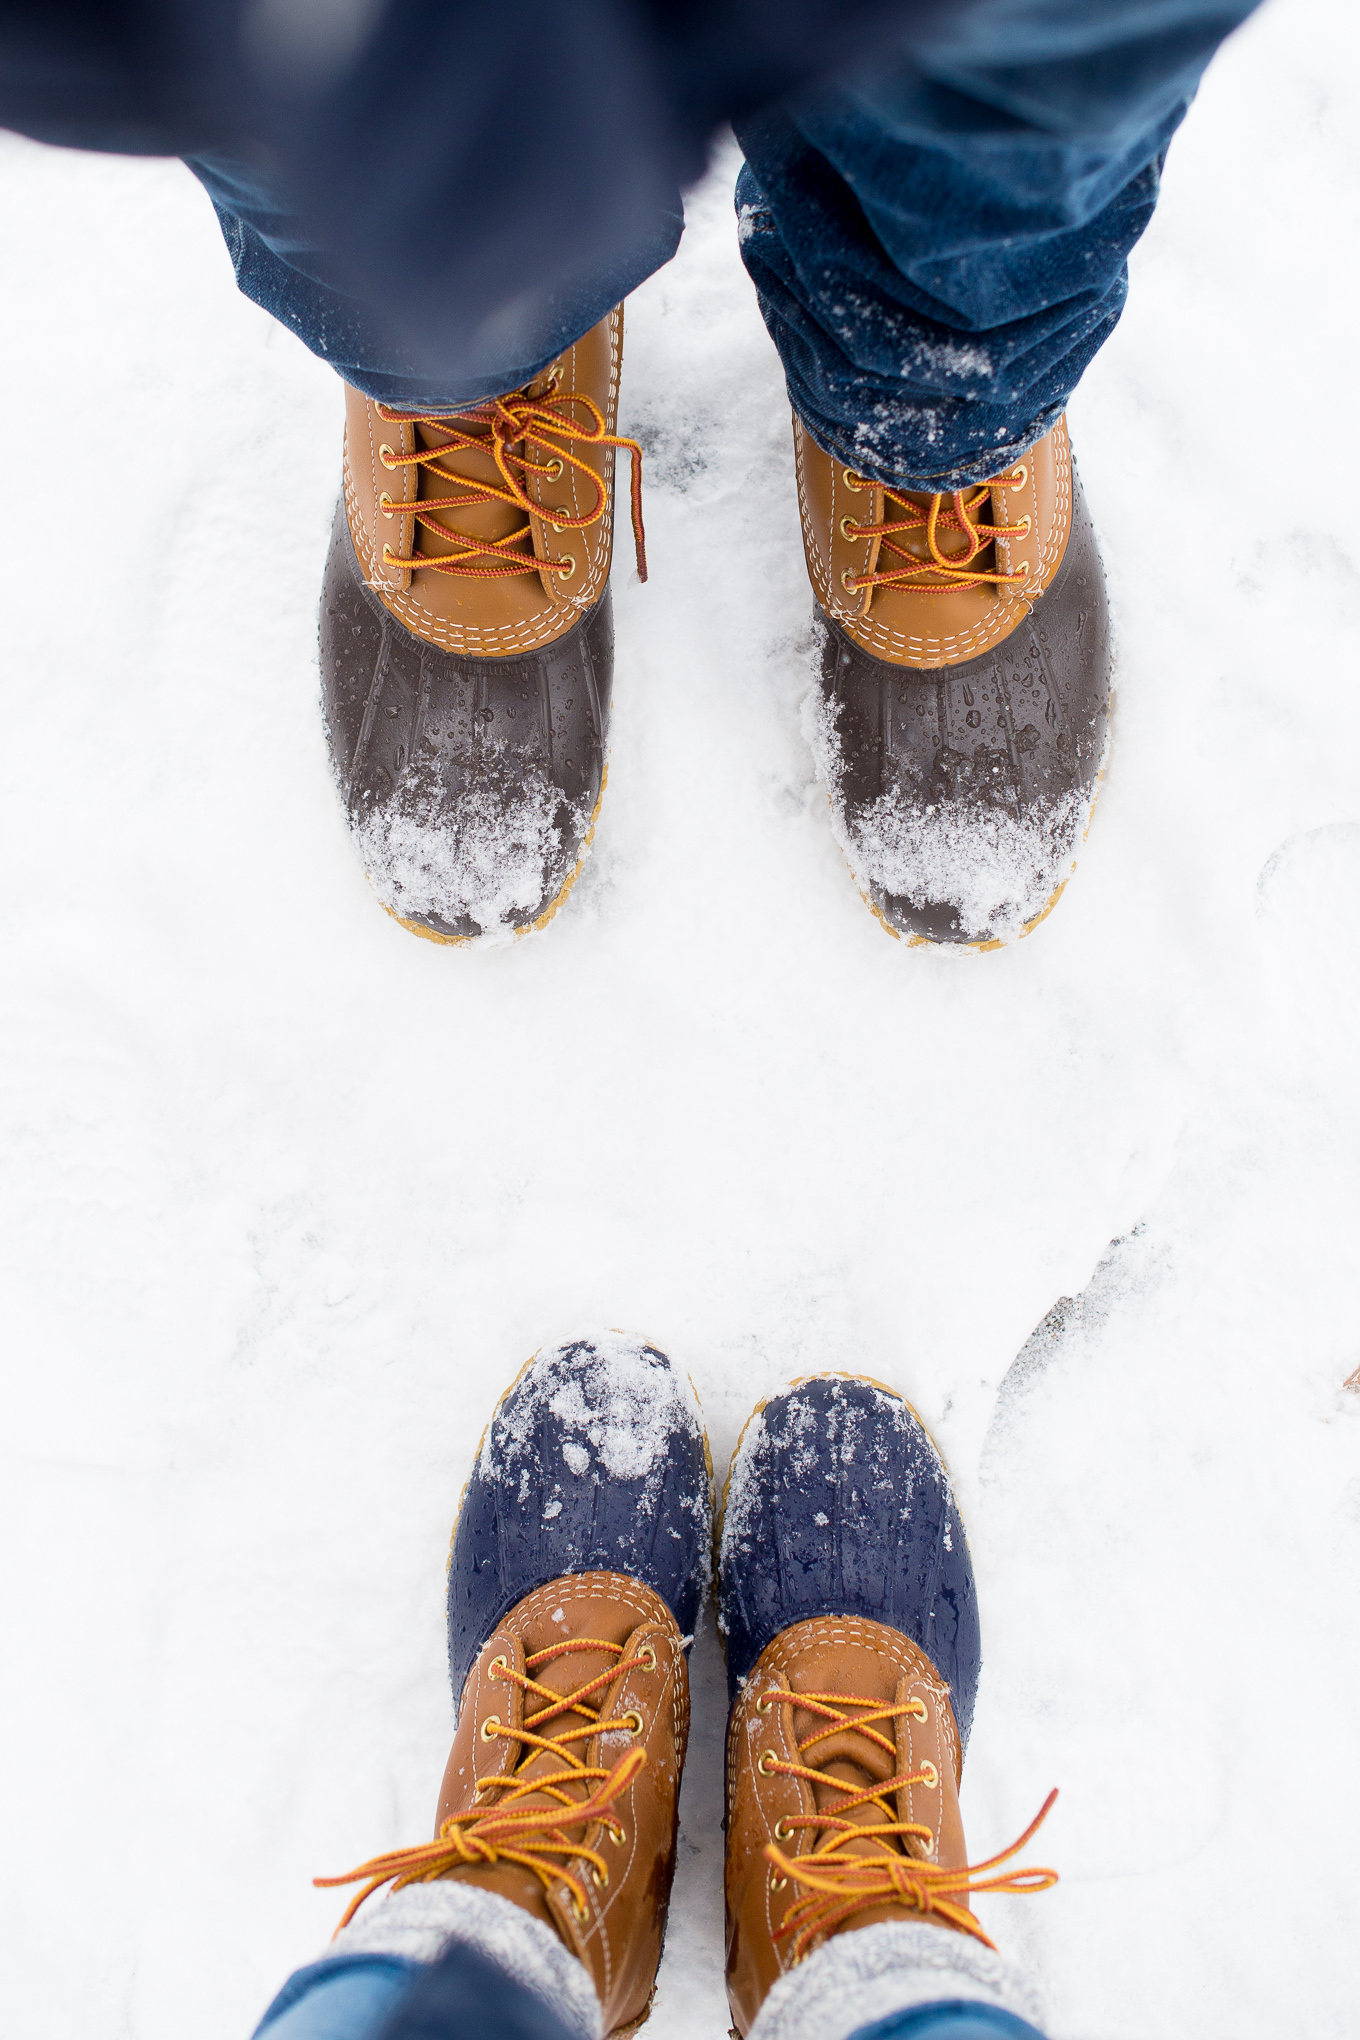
x,y
753,219
495,854
996,863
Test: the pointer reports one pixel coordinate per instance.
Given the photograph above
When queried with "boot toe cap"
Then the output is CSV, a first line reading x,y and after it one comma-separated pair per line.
x,y
471,785
839,1504
594,1460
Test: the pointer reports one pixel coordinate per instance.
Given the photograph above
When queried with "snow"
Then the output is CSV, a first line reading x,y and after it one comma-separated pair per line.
x,y
998,868
290,1195
495,855
614,1392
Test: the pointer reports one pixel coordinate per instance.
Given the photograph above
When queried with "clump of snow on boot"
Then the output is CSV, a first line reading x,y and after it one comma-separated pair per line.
x,y
998,867
618,1400
496,855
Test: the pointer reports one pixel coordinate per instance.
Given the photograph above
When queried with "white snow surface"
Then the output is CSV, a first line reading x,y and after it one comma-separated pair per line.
x,y
289,1195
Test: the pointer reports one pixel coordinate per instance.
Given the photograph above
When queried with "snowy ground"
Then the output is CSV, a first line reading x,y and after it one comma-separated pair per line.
x,y
289,1195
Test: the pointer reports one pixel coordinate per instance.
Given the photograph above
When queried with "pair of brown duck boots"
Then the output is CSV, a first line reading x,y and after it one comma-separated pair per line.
x,y
578,1571
467,663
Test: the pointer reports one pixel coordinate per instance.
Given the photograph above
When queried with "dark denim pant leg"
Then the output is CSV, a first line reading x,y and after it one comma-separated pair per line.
x,y
279,270
940,246
951,2019
462,1996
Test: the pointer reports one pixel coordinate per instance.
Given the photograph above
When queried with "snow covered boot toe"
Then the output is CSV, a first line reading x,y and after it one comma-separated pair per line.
x,y
467,643
847,1601
965,675
595,1459
576,1575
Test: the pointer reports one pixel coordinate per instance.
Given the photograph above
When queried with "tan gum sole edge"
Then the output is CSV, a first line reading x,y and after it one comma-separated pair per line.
x,y
996,941
529,927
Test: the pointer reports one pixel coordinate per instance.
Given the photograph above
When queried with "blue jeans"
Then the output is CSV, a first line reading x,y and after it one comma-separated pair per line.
x,y
939,246
463,1997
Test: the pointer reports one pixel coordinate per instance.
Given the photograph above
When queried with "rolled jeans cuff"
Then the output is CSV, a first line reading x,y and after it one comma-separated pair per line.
x,y
421,1921
858,1978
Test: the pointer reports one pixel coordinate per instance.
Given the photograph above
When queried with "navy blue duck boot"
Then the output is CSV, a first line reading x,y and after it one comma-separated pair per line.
x,y
848,1606
578,1569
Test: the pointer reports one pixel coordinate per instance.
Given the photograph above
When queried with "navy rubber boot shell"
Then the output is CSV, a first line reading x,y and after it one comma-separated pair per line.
x,y
839,1504
594,1460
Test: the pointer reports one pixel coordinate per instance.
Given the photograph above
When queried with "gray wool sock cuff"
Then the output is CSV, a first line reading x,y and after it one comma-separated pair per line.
x,y
858,1977
422,1920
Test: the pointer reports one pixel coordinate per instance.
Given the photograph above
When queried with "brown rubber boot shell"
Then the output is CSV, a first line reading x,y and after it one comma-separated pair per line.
x,y
621,1935
983,698
455,682
830,1654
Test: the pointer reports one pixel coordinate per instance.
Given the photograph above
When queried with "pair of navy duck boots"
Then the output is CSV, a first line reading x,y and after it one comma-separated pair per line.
x,y
579,1566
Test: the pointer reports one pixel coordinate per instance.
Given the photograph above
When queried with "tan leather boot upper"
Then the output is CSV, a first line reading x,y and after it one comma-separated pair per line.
x,y
578,1698
517,549
870,558
843,1811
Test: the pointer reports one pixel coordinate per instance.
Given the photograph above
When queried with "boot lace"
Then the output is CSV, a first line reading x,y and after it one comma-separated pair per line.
x,y
838,1880
517,431
942,571
536,1837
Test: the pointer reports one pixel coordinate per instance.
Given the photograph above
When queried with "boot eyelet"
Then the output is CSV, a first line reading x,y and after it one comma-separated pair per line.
x,y
619,1837
634,1721
1023,568
852,481
928,1844
385,504
849,529
929,1775
920,1710
554,470
581,1910
566,568
647,1657
767,1763
765,1703
563,510
782,1831
778,1883
1027,526
387,456
600,1879
1020,477
491,1728
848,582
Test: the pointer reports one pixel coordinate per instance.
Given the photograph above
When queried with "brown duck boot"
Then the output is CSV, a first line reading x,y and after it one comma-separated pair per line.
x,y
576,1575
965,677
853,1662
467,643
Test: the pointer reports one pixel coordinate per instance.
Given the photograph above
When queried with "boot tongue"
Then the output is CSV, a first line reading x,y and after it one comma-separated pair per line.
x,y
566,1674
947,539
461,463
856,1764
